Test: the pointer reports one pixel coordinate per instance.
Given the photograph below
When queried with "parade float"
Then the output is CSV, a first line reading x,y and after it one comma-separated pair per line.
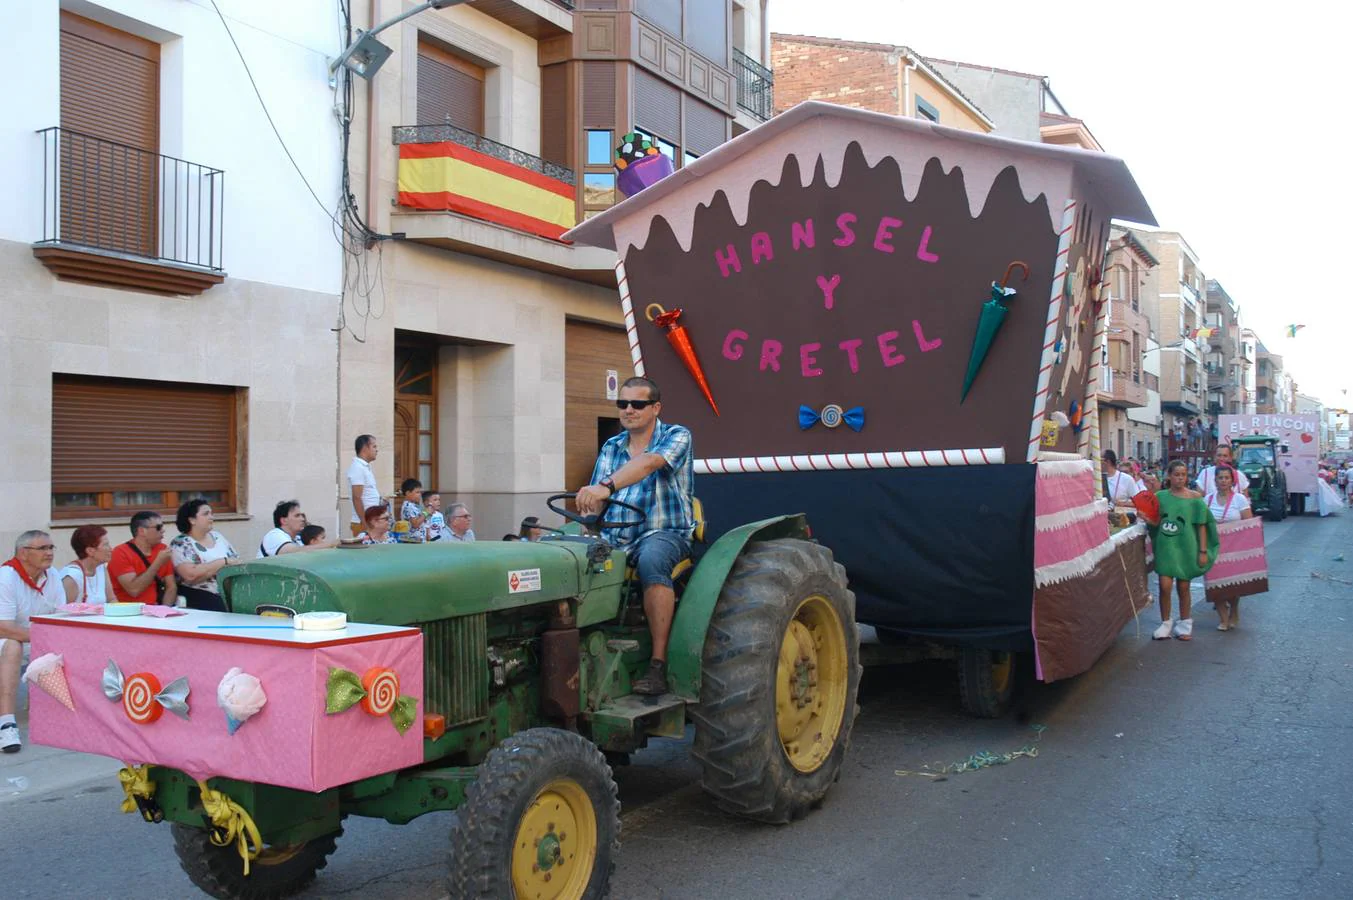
x,y
896,328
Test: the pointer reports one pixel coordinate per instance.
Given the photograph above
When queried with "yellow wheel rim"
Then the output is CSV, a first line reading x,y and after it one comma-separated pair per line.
x,y
275,856
1002,664
811,684
556,844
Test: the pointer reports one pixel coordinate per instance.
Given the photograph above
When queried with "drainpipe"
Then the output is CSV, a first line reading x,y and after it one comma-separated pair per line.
x,y
904,85
371,131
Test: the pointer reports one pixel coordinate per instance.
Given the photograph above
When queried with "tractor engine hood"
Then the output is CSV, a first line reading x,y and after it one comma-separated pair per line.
x,y
404,584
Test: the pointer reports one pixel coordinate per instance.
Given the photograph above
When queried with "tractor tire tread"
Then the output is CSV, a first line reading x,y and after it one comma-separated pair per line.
x,y
736,741
219,872
486,823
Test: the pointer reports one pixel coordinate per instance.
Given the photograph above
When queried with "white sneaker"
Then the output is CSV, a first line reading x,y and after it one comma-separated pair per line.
x,y
1183,629
1163,632
9,738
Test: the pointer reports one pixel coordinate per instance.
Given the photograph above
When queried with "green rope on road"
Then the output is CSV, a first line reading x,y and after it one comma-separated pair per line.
x,y
982,759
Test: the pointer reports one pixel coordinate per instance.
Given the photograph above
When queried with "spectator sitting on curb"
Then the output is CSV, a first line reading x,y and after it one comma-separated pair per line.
x,y
313,536
436,523
142,563
377,519
459,517
285,536
28,586
86,579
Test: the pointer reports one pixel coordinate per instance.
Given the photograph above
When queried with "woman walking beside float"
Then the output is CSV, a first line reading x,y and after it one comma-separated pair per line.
x,y
1184,540
1241,568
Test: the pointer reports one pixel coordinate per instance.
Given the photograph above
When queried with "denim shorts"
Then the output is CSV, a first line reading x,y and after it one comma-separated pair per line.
x,y
656,554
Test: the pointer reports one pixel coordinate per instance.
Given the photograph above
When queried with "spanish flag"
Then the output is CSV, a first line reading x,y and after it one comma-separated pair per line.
x,y
448,176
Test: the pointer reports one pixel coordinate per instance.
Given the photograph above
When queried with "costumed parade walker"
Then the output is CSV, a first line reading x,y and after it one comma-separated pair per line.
x,y
897,326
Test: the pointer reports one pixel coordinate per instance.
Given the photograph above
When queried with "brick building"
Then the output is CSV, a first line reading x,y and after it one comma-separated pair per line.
x,y
885,78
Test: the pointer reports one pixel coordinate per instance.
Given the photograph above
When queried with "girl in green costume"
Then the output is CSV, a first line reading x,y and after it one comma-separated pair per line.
x,y
1185,546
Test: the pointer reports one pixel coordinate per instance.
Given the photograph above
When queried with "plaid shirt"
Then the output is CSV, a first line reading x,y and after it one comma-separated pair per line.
x,y
664,495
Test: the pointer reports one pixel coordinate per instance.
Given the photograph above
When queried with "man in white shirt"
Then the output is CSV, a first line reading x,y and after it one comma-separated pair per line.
x,y
285,537
365,493
458,521
29,585
1207,478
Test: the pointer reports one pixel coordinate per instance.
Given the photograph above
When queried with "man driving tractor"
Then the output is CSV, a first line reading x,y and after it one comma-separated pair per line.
x,y
657,480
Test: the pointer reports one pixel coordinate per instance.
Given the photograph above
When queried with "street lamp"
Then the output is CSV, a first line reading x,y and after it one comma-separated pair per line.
x,y
365,55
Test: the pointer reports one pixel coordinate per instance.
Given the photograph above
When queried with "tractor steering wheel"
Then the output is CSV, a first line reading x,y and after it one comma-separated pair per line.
x,y
597,522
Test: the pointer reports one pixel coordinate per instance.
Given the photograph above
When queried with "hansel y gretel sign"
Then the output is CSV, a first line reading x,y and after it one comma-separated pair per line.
x,y
843,265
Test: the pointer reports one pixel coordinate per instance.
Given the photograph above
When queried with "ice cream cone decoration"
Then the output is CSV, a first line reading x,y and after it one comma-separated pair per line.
x,y
49,673
680,339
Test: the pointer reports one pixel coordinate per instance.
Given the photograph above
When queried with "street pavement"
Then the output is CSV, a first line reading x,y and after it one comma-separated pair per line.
x,y
1216,768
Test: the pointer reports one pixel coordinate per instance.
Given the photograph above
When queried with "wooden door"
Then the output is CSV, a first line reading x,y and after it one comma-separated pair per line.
x,y
590,351
416,414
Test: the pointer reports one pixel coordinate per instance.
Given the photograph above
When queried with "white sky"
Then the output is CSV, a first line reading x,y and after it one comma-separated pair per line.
x,y
1234,125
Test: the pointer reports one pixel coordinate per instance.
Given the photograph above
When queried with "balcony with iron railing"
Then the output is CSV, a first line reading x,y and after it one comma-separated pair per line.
x,y
462,191
756,86
122,216
1123,388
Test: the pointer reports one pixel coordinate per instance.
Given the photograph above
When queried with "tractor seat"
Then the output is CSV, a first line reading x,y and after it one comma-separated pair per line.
x,y
682,570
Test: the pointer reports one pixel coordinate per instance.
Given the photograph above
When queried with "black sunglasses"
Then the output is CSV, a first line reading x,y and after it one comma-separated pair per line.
x,y
634,404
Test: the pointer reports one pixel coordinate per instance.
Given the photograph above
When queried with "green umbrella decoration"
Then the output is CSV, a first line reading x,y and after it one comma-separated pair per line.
x,y
993,316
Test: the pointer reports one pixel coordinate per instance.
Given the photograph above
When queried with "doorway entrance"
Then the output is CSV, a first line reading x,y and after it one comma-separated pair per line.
x,y
415,435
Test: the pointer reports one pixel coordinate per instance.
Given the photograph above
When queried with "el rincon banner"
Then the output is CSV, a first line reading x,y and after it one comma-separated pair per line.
x,y
451,177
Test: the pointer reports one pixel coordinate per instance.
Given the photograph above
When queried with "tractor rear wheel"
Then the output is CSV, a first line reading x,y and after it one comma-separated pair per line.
x,y
986,681
277,871
1277,505
540,820
781,671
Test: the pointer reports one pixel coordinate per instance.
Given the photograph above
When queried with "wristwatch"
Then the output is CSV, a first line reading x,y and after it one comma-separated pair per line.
x,y
609,483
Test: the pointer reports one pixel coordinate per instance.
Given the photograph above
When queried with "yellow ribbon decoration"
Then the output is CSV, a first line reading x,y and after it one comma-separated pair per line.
x,y
234,824
135,783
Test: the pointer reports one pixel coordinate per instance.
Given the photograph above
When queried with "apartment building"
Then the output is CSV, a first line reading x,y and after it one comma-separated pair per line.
x,y
168,285
1124,384
887,78
490,130
1020,105
1175,300
1274,391
1226,362
1249,349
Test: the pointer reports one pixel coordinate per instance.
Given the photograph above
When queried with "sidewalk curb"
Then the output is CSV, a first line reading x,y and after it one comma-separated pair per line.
x,y
50,770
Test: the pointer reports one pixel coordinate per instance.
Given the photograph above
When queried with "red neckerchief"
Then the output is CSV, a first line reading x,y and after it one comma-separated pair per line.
x,y
13,563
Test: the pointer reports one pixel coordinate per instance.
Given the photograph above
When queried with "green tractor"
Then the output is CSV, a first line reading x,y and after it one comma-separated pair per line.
x,y
533,688
1257,456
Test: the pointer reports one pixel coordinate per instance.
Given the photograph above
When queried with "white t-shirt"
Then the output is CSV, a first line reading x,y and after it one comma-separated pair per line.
x,y
274,541
91,588
360,475
18,601
1122,488
1207,481
1228,511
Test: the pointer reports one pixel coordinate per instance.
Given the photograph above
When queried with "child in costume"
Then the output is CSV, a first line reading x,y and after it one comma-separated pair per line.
x,y
1185,543
1244,569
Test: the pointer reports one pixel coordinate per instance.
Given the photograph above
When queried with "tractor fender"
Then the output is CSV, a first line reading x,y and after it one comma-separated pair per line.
x,y
686,645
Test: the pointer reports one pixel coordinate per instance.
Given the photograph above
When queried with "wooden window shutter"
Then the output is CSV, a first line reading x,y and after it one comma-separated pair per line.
x,y
122,435
554,110
110,121
657,106
450,89
599,96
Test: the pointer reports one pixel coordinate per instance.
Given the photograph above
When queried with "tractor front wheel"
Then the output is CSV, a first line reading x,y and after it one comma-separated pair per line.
x,y
781,671
278,871
541,820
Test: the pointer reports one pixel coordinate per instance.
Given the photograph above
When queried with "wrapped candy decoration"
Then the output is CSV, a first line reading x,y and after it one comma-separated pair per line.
x,y
639,164
241,696
49,673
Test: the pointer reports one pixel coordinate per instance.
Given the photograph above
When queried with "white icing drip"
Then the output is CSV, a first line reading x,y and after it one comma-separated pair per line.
x,y
825,141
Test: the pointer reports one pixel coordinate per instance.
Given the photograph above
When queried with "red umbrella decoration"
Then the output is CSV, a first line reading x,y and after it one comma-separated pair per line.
x,y
680,339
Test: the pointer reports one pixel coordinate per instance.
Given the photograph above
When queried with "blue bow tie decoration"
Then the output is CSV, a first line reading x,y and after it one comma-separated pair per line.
x,y
832,416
